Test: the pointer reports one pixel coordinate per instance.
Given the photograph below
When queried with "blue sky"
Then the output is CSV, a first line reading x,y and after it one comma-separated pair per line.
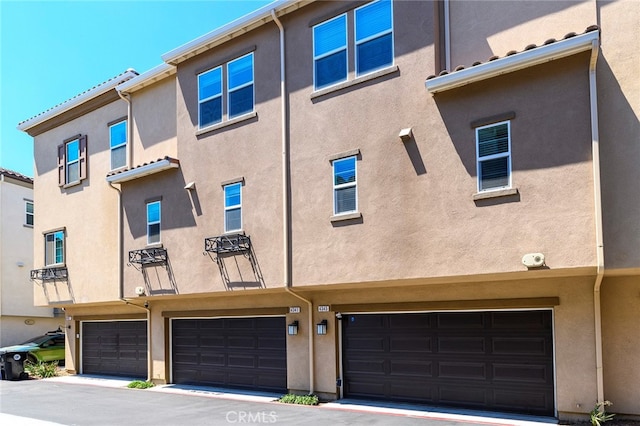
x,y
51,51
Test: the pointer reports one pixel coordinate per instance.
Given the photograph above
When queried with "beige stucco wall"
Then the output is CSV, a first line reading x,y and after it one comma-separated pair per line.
x,y
621,342
91,232
619,109
154,122
16,329
481,29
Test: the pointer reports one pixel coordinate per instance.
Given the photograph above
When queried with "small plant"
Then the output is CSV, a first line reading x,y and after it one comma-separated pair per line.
x,y
140,384
599,414
299,399
40,369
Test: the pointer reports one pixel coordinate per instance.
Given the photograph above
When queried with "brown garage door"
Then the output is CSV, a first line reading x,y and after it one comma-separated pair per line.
x,y
115,348
500,361
230,352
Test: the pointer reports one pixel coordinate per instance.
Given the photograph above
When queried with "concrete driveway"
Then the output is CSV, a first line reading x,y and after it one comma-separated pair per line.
x,y
97,401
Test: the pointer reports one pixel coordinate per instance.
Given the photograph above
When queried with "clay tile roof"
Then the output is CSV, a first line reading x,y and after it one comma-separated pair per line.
x,y
513,52
122,76
15,175
126,169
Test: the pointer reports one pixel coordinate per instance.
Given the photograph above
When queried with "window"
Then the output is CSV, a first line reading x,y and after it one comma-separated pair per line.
x,y
373,39
240,91
118,144
233,207
72,161
153,222
345,197
494,156
240,85
28,219
330,52
54,248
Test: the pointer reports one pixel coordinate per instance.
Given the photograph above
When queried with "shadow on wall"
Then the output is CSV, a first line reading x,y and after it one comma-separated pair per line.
x,y
56,290
620,171
239,268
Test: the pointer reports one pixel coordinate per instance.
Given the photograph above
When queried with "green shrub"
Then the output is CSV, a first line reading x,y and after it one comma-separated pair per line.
x,y
40,369
140,384
599,415
299,399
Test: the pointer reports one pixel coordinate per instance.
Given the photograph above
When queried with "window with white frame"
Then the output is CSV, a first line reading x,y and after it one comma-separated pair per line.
x,y
493,148
239,91
345,196
118,144
373,40
54,248
374,36
28,213
330,52
153,222
233,207
72,161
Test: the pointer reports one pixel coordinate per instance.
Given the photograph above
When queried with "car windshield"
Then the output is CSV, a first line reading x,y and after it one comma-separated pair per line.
x,y
36,340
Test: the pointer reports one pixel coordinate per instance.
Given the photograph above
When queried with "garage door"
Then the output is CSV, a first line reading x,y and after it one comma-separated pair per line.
x,y
115,348
230,352
501,361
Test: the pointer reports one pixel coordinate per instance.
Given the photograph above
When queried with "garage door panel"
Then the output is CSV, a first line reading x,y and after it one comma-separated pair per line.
x,y
469,359
462,370
462,345
231,352
520,345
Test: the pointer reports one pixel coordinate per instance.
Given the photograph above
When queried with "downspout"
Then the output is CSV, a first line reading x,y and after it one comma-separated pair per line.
x,y
286,203
447,35
149,334
597,194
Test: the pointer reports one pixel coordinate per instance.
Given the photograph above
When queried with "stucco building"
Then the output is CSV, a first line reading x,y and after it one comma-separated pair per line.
x,y
20,320
427,202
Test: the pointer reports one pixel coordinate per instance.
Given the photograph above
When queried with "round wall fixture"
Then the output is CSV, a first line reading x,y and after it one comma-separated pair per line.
x,y
29,321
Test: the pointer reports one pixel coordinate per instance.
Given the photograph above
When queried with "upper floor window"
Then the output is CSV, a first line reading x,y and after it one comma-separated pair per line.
x,y
345,196
54,248
374,36
153,222
330,52
28,213
240,91
118,144
373,40
72,160
493,143
233,207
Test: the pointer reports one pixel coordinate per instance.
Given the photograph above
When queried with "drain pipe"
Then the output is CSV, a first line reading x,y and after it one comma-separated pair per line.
x,y
286,204
595,146
149,340
447,35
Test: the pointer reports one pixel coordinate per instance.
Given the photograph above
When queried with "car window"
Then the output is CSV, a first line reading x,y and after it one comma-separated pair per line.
x,y
36,340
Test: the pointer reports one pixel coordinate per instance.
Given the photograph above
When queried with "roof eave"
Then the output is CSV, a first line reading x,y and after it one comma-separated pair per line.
x,y
74,102
147,78
230,30
518,61
142,171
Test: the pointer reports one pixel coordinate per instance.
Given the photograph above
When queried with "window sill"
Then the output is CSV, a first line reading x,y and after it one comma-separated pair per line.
x,y
154,245
495,194
72,184
227,123
346,216
359,80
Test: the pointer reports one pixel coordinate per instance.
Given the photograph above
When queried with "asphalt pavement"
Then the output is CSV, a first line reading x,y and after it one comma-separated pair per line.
x,y
102,401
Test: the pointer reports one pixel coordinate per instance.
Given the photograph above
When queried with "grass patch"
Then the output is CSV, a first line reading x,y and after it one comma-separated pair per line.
x,y
299,399
140,384
40,369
